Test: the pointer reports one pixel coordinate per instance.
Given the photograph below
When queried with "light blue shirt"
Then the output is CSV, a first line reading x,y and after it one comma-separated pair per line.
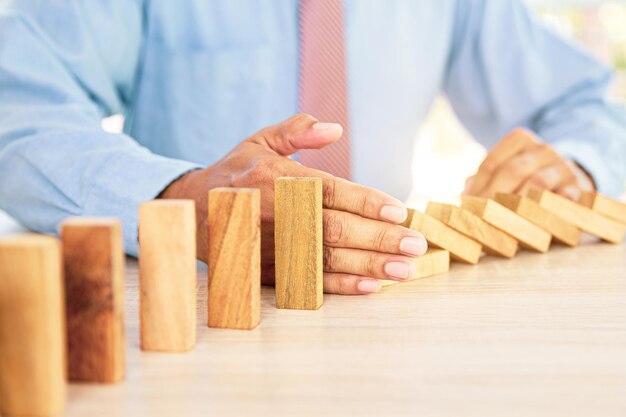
x,y
196,77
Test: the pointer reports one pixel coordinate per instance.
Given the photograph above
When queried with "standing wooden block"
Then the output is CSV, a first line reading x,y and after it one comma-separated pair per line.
x,y
93,259
433,262
580,216
298,243
528,234
234,288
167,275
493,240
605,205
560,230
439,235
32,327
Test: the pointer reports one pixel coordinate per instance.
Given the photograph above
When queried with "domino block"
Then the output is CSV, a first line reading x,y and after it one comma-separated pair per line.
x,y
560,230
234,289
433,262
167,275
439,235
528,234
32,327
93,259
493,240
613,209
580,216
298,243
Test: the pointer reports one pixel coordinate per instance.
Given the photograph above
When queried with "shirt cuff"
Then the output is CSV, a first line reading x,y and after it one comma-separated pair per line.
x,y
588,157
138,178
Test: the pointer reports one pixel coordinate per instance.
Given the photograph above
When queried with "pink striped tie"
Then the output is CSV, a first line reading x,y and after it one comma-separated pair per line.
x,y
323,87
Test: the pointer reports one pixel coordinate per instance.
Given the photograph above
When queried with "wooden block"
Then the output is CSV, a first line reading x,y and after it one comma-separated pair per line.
x,y
439,235
32,327
234,289
605,205
167,275
560,230
433,262
93,260
580,216
493,240
528,234
298,243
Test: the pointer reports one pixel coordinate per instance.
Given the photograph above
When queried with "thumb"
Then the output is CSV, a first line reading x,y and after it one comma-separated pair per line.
x,y
301,131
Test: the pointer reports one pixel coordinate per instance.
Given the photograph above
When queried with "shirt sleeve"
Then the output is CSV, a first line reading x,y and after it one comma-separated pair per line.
x,y
63,67
507,69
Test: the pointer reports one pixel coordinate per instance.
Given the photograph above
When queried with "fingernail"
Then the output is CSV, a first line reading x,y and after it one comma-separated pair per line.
x,y
414,245
393,214
328,127
400,270
368,285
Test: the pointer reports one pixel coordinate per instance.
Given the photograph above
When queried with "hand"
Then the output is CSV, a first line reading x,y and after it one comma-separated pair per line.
x,y
521,161
362,239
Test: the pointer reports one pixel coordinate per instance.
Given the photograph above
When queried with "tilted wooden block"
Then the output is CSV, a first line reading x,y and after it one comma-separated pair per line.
x,y
493,240
560,230
167,275
298,243
32,327
528,234
433,262
580,216
234,289
605,205
93,260
439,235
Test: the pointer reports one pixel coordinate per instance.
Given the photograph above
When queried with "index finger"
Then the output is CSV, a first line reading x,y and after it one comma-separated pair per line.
x,y
515,142
341,194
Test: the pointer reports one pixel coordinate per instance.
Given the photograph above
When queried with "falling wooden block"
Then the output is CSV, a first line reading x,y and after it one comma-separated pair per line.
x,y
439,235
605,205
298,243
528,234
234,289
32,327
433,262
580,216
167,275
93,260
560,230
493,240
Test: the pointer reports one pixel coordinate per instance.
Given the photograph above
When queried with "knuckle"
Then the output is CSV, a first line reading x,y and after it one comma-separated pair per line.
x,y
344,286
380,238
328,258
329,189
333,228
371,265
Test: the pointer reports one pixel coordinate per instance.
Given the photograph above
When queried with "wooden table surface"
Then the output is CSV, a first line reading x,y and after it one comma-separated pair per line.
x,y
539,335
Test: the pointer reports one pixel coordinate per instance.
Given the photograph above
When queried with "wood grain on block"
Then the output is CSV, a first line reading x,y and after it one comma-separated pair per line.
x,y
234,275
580,216
433,262
32,327
528,234
93,260
561,230
167,272
493,240
605,205
298,243
439,235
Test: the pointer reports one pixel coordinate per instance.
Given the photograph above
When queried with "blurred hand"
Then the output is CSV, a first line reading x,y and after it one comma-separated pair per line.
x,y
362,239
521,161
